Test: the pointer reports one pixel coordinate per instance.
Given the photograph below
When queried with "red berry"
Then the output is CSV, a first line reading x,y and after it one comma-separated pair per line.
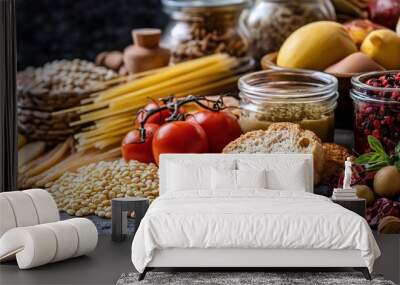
x,y
369,110
395,96
383,120
376,133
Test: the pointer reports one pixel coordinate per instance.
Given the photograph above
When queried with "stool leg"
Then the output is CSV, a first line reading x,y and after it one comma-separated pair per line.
x,y
116,221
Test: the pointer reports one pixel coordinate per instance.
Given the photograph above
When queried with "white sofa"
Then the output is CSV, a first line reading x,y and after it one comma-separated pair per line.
x,y
31,231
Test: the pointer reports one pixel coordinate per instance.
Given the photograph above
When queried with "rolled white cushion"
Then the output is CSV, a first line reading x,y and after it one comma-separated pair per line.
x,y
87,235
7,218
23,208
40,244
66,238
33,246
46,207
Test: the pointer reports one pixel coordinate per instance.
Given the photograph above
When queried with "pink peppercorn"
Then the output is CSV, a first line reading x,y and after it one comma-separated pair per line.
x,y
380,115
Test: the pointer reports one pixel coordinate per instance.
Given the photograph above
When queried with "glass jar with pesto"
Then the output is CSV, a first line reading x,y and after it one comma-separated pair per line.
x,y
308,98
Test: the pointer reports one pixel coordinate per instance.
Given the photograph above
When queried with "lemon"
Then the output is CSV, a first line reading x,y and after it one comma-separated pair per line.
x,y
316,46
383,46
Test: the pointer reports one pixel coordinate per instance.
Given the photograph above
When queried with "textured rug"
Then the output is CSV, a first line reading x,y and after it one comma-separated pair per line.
x,y
103,225
244,278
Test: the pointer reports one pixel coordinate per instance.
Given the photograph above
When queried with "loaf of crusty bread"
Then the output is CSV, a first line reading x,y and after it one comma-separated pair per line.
x,y
335,156
337,153
281,138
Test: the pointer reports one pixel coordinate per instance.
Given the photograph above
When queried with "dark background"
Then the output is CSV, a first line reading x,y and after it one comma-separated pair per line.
x,y
56,29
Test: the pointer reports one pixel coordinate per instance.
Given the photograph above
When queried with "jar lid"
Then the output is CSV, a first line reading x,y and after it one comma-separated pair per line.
x,y
203,3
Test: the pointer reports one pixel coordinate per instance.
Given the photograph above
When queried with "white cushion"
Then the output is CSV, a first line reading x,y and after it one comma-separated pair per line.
x,y
23,208
183,175
26,208
251,178
40,244
66,238
87,235
223,179
230,180
46,207
31,246
7,218
282,174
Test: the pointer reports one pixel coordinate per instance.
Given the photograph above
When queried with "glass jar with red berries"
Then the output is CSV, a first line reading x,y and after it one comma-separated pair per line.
x,y
376,97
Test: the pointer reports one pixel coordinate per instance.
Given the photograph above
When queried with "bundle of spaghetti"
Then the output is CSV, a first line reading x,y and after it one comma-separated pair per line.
x,y
110,114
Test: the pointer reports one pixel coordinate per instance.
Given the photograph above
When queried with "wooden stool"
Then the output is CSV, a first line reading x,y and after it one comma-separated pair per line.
x,y
120,208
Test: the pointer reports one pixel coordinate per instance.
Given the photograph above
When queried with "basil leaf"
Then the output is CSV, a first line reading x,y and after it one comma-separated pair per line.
x,y
370,158
376,166
377,157
375,144
364,158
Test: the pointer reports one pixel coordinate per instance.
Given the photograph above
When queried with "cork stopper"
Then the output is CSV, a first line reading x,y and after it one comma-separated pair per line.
x,y
148,38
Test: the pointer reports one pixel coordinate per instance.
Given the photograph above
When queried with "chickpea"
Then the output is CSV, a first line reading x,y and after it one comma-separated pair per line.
x,y
91,188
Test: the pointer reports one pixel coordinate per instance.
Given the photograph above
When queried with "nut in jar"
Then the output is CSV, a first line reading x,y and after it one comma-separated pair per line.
x,y
200,28
270,22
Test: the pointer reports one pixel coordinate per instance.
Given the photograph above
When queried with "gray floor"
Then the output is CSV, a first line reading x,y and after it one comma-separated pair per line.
x,y
110,259
103,266
389,263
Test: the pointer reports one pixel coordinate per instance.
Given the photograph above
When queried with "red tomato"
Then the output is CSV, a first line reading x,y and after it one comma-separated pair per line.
x,y
221,128
132,147
157,118
179,137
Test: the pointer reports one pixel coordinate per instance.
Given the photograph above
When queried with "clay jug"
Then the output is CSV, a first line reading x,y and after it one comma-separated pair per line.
x,y
145,53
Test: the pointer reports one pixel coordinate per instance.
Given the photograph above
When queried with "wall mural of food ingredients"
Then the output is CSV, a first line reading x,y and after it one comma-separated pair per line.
x,y
93,131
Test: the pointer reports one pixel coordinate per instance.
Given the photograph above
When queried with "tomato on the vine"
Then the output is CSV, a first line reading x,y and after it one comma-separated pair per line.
x,y
179,137
132,147
221,128
158,118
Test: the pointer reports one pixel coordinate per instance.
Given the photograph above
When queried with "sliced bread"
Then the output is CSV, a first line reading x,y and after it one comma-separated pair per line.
x,y
281,138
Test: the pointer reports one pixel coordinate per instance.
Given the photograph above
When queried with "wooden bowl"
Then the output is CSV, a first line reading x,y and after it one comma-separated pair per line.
x,y
344,110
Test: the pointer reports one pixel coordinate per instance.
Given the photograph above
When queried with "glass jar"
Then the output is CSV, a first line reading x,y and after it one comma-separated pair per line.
x,y
376,111
270,22
307,98
202,27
